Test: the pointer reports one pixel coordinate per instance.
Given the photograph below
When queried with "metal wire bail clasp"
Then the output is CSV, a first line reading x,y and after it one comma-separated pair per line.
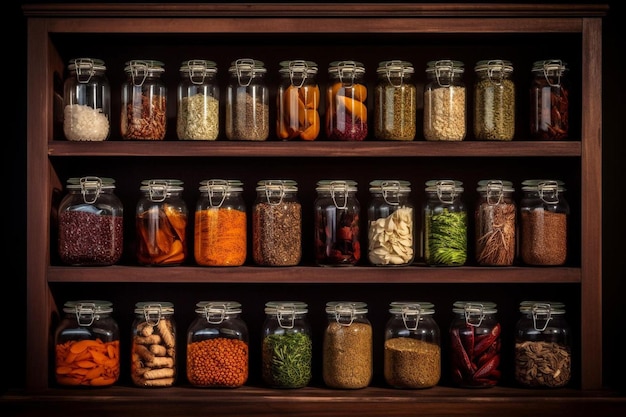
x,y
90,188
138,72
446,191
411,312
152,314
474,311
84,68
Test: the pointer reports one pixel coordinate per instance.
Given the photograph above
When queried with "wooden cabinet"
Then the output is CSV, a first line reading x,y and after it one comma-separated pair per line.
x,y
369,33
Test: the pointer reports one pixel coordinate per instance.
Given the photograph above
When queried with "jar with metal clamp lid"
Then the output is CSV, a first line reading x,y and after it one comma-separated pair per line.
x,y
395,101
494,100
549,100
247,101
346,101
495,219
445,106
298,101
198,115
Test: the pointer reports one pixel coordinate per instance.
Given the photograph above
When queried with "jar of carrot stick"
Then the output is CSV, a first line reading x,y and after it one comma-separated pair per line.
x,y
220,237
87,345
298,101
217,346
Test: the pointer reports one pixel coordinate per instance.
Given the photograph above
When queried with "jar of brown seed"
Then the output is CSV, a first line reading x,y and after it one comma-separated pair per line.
x,y
247,101
494,100
496,222
395,101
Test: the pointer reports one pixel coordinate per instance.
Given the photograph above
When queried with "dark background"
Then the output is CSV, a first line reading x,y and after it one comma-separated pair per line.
x,y
13,291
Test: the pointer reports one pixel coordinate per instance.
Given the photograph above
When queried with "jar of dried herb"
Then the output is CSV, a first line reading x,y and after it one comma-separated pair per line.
x,y
287,347
412,357
346,101
395,101
549,100
445,106
495,219
197,116
494,100
298,101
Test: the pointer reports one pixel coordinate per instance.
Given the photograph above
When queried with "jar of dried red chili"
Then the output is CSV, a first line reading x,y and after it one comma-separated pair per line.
x,y
549,100
346,101
217,346
475,344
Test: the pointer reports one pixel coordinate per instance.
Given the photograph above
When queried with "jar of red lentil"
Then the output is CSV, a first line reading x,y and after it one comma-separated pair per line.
x,y
197,116
153,345
298,101
475,344
347,357
544,214
412,357
287,347
87,345
495,219
445,106
395,101
549,100
277,224
220,229
90,219
161,223
217,346
144,101
346,101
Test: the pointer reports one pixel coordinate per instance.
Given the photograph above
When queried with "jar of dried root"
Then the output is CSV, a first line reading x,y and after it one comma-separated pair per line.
x,y
495,220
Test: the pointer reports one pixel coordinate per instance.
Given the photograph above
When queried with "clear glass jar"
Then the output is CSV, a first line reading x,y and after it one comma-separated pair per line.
x,y
346,101
287,347
412,357
153,345
445,224
247,101
445,106
198,114
347,356
391,223
495,219
543,357
298,101
277,224
220,229
161,223
87,345
494,100
475,344
336,223
549,100
144,101
395,101
86,101
217,346
544,214
91,223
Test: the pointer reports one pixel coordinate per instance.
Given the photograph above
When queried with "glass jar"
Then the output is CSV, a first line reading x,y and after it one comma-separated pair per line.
x,y
86,101
346,105
287,348
220,229
277,224
543,357
87,345
91,224
494,100
198,114
298,101
161,223
495,219
153,345
336,223
391,223
544,214
144,101
445,104
549,100
445,224
395,101
247,101
217,346
475,344
347,357
412,357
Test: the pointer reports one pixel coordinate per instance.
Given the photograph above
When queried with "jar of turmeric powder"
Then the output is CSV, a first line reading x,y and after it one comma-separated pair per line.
x,y
298,101
346,101
217,346
87,345
220,230
161,223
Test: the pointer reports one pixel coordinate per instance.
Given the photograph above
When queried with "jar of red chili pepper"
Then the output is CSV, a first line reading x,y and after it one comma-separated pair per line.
x,y
346,101
217,346
336,223
475,344
549,100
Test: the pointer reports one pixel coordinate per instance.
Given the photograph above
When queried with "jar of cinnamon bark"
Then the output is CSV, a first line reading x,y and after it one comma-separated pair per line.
x,y
495,219
549,100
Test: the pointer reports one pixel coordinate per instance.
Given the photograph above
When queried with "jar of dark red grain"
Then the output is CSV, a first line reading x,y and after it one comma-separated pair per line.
x,y
475,344
217,346
544,214
346,101
495,219
395,101
336,223
144,101
87,345
198,113
153,345
161,223
549,100
298,101
543,357
91,221
277,224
